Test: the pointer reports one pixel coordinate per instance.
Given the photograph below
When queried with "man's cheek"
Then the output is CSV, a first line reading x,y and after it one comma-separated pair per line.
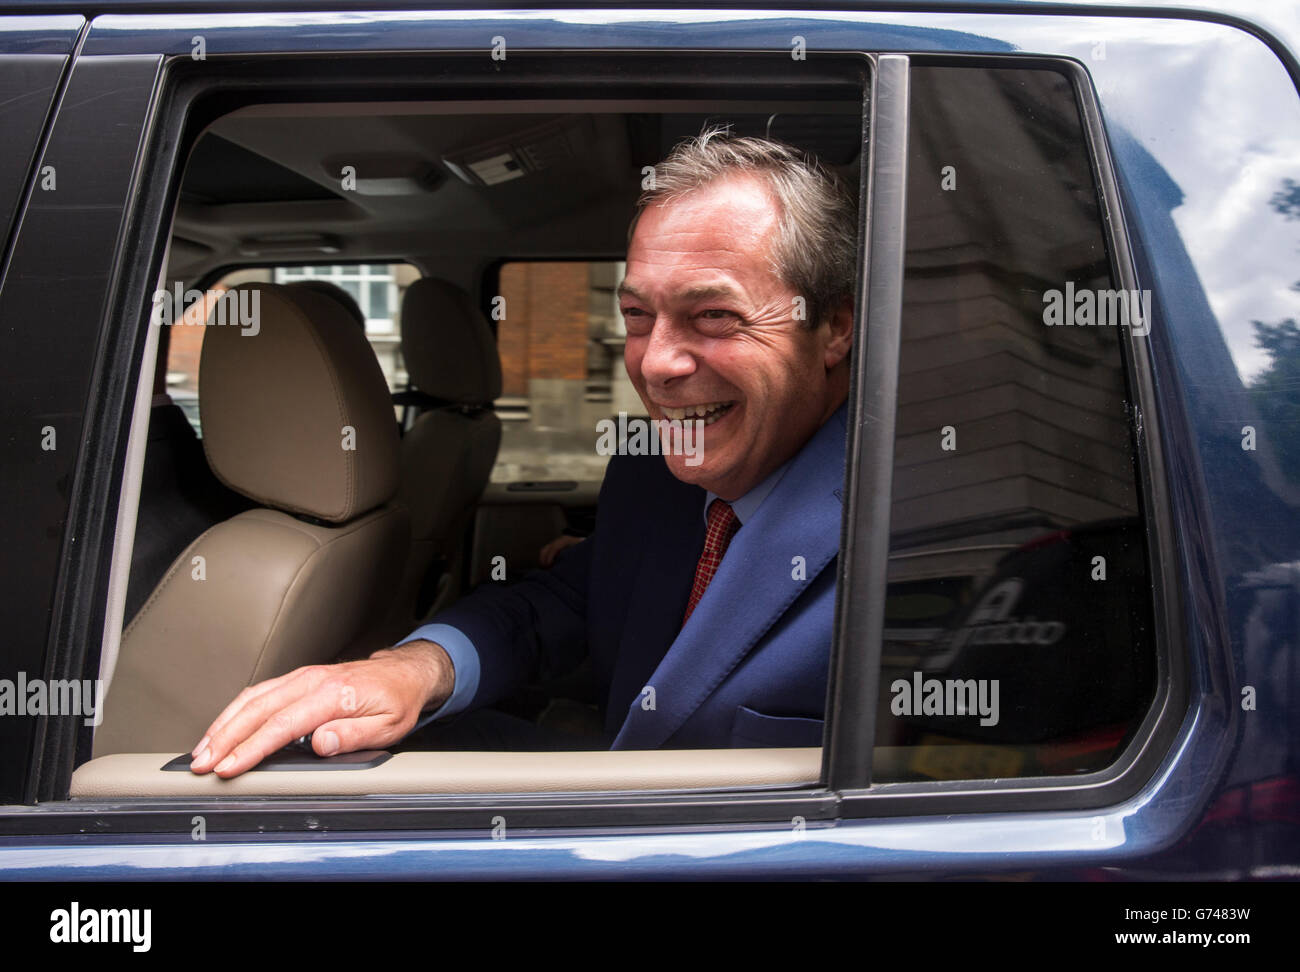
x,y
633,368
633,350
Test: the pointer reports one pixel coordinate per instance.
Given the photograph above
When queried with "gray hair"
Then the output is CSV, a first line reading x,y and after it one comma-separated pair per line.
x,y
815,252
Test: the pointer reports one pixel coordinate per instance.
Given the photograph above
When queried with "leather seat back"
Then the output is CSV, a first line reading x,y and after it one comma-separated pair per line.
x,y
296,416
448,453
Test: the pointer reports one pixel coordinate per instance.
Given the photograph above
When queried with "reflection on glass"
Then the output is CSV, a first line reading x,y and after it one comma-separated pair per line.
x,y
1017,637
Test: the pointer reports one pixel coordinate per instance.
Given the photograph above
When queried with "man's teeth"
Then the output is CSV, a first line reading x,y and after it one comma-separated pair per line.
x,y
710,412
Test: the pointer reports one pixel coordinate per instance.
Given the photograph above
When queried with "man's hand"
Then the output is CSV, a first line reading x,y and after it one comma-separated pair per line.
x,y
354,705
546,556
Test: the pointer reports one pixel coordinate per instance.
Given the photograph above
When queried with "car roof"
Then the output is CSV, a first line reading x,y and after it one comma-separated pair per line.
x,y
1277,24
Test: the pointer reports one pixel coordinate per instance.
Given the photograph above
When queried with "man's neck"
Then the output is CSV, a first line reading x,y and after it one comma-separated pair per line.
x,y
747,505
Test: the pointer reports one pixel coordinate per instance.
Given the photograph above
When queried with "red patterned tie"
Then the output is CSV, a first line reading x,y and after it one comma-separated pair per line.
x,y
722,527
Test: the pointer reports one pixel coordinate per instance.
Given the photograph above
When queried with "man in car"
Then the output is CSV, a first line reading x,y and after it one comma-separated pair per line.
x,y
703,601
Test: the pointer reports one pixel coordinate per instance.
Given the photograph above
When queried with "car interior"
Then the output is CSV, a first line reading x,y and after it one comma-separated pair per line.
x,y
259,545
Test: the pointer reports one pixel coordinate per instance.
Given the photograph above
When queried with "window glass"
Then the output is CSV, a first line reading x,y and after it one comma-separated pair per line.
x,y
1018,634
561,337
377,299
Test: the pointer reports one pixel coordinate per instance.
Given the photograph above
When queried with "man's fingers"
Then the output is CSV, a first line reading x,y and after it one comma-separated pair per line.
x,y
248,716
238,703
368,703
546,556
280,728
349,735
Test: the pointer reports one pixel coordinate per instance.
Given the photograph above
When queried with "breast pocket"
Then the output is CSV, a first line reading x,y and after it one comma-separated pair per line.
x,y
750,729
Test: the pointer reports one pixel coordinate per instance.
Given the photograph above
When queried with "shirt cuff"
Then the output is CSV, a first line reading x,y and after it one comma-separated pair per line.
x,y
464,662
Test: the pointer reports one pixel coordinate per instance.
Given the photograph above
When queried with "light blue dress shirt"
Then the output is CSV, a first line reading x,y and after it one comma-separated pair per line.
x,y
748,505
464,656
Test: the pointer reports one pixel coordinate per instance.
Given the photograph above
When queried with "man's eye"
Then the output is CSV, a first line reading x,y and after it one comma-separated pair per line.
x,y
717,315
635,319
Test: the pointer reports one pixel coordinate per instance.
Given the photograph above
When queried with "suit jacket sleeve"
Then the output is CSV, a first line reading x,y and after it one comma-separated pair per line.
x,y
533,629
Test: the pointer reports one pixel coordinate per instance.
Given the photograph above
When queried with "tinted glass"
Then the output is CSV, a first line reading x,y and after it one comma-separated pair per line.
x,y
1018,635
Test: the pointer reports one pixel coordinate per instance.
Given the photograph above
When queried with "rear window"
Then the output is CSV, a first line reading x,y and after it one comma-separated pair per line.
x,y
561,340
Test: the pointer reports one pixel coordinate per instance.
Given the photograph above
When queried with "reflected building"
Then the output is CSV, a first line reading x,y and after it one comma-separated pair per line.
x,y
1007,428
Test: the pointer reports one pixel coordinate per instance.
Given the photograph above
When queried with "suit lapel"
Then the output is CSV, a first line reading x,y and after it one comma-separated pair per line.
x,y
758,580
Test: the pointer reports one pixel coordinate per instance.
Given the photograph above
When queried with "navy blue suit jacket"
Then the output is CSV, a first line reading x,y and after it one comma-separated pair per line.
x,y
750,666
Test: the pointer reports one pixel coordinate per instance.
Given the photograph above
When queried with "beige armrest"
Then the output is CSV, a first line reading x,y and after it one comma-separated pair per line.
x,y
126,775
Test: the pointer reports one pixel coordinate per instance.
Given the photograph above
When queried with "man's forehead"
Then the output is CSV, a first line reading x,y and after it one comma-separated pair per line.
x,y
709,243
742,199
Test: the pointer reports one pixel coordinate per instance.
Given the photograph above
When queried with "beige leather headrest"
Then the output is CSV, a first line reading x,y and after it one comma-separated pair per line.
x,y
295,410
334,292
447,345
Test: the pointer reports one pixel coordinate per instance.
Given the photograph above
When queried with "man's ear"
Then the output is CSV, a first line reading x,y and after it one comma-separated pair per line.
x,y
841,333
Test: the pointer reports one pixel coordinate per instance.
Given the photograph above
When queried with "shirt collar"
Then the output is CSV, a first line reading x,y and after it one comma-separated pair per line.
x,y
747,505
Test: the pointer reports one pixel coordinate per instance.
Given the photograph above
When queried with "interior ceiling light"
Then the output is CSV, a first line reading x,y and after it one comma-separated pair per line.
x,y
521,153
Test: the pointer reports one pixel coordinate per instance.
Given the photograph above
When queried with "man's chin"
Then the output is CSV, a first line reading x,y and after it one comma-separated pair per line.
x,y
694,471
704,457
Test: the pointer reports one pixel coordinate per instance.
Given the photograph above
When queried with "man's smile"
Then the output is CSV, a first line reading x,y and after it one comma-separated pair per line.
x,y
710,411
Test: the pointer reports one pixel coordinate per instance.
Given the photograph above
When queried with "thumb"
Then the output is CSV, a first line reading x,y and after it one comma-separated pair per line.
x,y
350,735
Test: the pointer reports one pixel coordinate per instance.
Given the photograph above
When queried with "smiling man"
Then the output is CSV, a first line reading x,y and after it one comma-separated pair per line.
x,y
703,601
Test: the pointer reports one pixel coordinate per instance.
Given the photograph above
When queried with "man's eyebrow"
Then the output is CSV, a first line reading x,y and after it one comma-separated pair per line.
x,y
712,292
709,292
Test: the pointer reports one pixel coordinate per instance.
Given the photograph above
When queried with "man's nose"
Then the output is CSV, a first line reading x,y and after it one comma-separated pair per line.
x,y
668,354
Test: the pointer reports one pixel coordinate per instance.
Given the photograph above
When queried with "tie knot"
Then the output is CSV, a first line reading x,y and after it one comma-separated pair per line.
x,y
722,525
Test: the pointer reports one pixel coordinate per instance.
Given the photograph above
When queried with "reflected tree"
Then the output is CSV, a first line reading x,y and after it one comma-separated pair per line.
x,y
1276,390
1287,199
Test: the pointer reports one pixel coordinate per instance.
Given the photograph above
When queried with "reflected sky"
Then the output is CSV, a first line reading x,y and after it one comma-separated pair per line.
x,y
1215,108
1229,158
